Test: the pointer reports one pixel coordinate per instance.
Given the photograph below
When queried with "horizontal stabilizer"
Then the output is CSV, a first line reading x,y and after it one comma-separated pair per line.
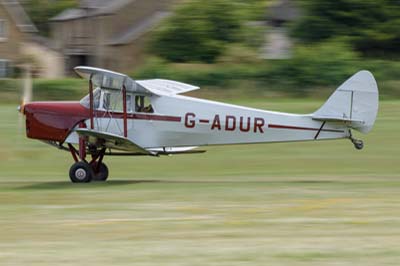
x,y
337,119
112,141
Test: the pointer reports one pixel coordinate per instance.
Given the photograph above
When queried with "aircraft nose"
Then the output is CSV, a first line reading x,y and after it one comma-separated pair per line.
x,y
23,107
52,120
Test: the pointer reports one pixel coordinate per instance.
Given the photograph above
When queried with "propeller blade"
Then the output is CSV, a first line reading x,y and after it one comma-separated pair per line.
x,y
27,93
26,89
26,96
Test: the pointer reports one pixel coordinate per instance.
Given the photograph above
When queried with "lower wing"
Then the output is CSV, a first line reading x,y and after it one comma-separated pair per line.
x,y
113,141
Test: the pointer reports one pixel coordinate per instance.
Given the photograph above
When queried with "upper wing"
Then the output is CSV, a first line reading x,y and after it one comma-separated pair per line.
x,y
114,80
86,72
109,79
112,141
166,87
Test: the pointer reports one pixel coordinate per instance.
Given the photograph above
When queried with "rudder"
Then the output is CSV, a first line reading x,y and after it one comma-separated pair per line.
x,y
355,103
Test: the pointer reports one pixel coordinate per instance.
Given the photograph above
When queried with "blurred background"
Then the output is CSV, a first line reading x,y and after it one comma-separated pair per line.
x,y
318,203
272,47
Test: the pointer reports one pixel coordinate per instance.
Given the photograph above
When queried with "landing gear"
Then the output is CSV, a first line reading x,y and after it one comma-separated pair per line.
x,y
83,171
102,172
358,144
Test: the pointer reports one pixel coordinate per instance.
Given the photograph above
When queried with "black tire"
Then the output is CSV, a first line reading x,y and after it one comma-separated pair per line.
x,y
359,145
102,173
80,172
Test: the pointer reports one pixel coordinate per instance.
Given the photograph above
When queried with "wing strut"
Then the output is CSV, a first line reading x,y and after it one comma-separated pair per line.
x,y
91,103
125,111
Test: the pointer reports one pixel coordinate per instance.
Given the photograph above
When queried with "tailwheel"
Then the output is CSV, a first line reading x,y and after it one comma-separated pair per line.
x,y
81,172
358,144
100,172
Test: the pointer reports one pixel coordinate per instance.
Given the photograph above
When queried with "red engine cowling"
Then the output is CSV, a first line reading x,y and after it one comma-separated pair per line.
x,y
53,120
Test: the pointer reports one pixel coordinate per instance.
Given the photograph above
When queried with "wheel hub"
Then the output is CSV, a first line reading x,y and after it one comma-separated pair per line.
x,y
80,174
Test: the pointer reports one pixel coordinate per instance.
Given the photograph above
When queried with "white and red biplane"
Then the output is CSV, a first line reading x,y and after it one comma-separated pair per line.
x,y
122,116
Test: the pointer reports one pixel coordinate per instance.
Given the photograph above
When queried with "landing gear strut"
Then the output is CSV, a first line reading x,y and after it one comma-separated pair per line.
x,y
83,171
358,144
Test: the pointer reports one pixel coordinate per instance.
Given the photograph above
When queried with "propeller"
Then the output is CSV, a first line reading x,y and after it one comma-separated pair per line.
x,y
26,96
26,89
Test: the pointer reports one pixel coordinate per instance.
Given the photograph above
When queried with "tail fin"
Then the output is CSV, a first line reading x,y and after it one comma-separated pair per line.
x,y
355,103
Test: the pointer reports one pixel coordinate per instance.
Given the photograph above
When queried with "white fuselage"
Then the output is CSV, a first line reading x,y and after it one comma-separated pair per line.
x,y
180,121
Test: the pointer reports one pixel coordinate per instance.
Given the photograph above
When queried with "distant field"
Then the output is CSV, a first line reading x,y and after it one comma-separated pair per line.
x,y
316,203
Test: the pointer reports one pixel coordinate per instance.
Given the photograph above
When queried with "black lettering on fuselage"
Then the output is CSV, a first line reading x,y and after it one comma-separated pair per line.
x,y
242,127
231,123
216,123
190,123
259,124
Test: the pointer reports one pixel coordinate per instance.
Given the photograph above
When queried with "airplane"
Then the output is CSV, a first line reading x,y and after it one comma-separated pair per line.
x,y
125,117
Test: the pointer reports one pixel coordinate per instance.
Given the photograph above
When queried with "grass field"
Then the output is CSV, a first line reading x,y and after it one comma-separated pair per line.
x,y
316,203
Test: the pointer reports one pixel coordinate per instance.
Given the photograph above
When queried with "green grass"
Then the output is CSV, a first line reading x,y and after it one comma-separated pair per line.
x,y
315,203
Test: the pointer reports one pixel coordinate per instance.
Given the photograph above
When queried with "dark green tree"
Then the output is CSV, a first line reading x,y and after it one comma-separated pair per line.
x,y
200,30
371,26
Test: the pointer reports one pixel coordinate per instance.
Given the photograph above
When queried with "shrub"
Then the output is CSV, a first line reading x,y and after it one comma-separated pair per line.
x,y
61,89
313,70
313,66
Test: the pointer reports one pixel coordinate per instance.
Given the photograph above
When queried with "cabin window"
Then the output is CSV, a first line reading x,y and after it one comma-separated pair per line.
x,y
129,107
112,101
108,100
143,104
96,99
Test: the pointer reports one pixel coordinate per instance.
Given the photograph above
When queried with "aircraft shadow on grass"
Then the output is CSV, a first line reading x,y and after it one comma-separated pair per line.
x,y
69,185
53,185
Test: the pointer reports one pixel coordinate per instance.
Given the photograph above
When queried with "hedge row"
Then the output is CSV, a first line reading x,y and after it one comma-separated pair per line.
x,y
311,69
62,89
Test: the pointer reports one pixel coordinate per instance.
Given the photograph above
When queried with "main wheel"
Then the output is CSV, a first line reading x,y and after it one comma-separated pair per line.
x,y
102,173
80,172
